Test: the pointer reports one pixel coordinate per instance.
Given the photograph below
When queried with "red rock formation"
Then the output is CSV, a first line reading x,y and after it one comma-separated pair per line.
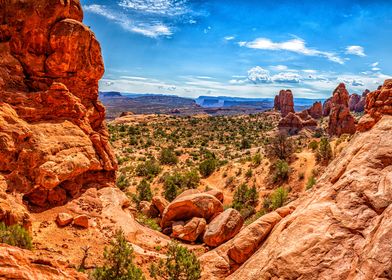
x,y
327,107
353,101
340,119
190,230
378,103
297,121
316,111
17,263
284,102
342,227
53,138
360,106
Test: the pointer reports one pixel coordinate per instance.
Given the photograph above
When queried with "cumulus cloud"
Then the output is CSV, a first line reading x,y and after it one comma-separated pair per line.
x,y
355,50
375,64
259,75
286,77
153,29
297,45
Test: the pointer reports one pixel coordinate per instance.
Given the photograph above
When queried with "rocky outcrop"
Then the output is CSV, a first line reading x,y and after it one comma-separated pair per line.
x,y
340,229
378,103
190,230
223,227
327,107
360,106
199,205
340,119
316,111
353,101
17,263
284,102
160,203
53,138
294,122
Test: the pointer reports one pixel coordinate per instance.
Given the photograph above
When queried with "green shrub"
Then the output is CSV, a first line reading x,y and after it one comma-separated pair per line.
x,y
15,235
249,173
168,156
245,197
207,167
143,191
122,182
281,171
313,145
311,182
278,197
245,144
176,183
148,222
324,152
148,169
256,160
118,261
180,264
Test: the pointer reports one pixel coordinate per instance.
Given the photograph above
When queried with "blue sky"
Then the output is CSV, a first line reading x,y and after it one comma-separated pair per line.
x,y
242,48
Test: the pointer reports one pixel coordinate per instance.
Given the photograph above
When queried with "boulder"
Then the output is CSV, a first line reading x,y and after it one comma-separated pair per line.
x,y
284,102
340,119
160,203
187,192
217,193
148,209
64,219
223,227
81,221
190,230
200,205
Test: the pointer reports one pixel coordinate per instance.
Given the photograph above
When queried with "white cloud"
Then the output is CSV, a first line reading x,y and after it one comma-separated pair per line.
x,y
206,30
279,67
376,69
229,38
297,45
355,50
160,7
192,21
153,29
286,77
375,64
309,71
259,75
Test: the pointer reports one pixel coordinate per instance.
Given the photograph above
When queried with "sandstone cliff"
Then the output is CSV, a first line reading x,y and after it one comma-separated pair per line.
x,y
53,139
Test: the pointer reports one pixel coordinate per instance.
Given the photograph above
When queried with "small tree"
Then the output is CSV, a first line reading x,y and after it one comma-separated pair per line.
x,y
324,153
245,199
278,197
122,182
168,156
207,167
148,169
281,171
118,261
15,235
177,182
281,147
144,191
180,264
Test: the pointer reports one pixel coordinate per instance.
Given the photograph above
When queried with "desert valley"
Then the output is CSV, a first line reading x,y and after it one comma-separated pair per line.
x,y
99,186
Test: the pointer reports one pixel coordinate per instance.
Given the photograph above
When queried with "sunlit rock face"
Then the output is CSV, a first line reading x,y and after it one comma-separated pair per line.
x,y
53,138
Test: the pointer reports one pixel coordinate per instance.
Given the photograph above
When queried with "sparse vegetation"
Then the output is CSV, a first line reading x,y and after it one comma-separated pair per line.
x,y
168,156
148,169
15,235
118,261
245,200
207,167
281,147
144,191
278,198
281,172
177,182
311,182
180,264
324,152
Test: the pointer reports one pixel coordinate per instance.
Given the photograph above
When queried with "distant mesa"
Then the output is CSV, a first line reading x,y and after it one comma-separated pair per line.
x,y
110,94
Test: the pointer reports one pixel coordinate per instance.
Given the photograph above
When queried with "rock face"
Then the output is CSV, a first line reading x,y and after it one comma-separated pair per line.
x,y
316,111
284,102
223,227
360,106
22,264
341,229
353,101
53,139
378,103
340,119
190,230
327,107
200,205
159,203
297,121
